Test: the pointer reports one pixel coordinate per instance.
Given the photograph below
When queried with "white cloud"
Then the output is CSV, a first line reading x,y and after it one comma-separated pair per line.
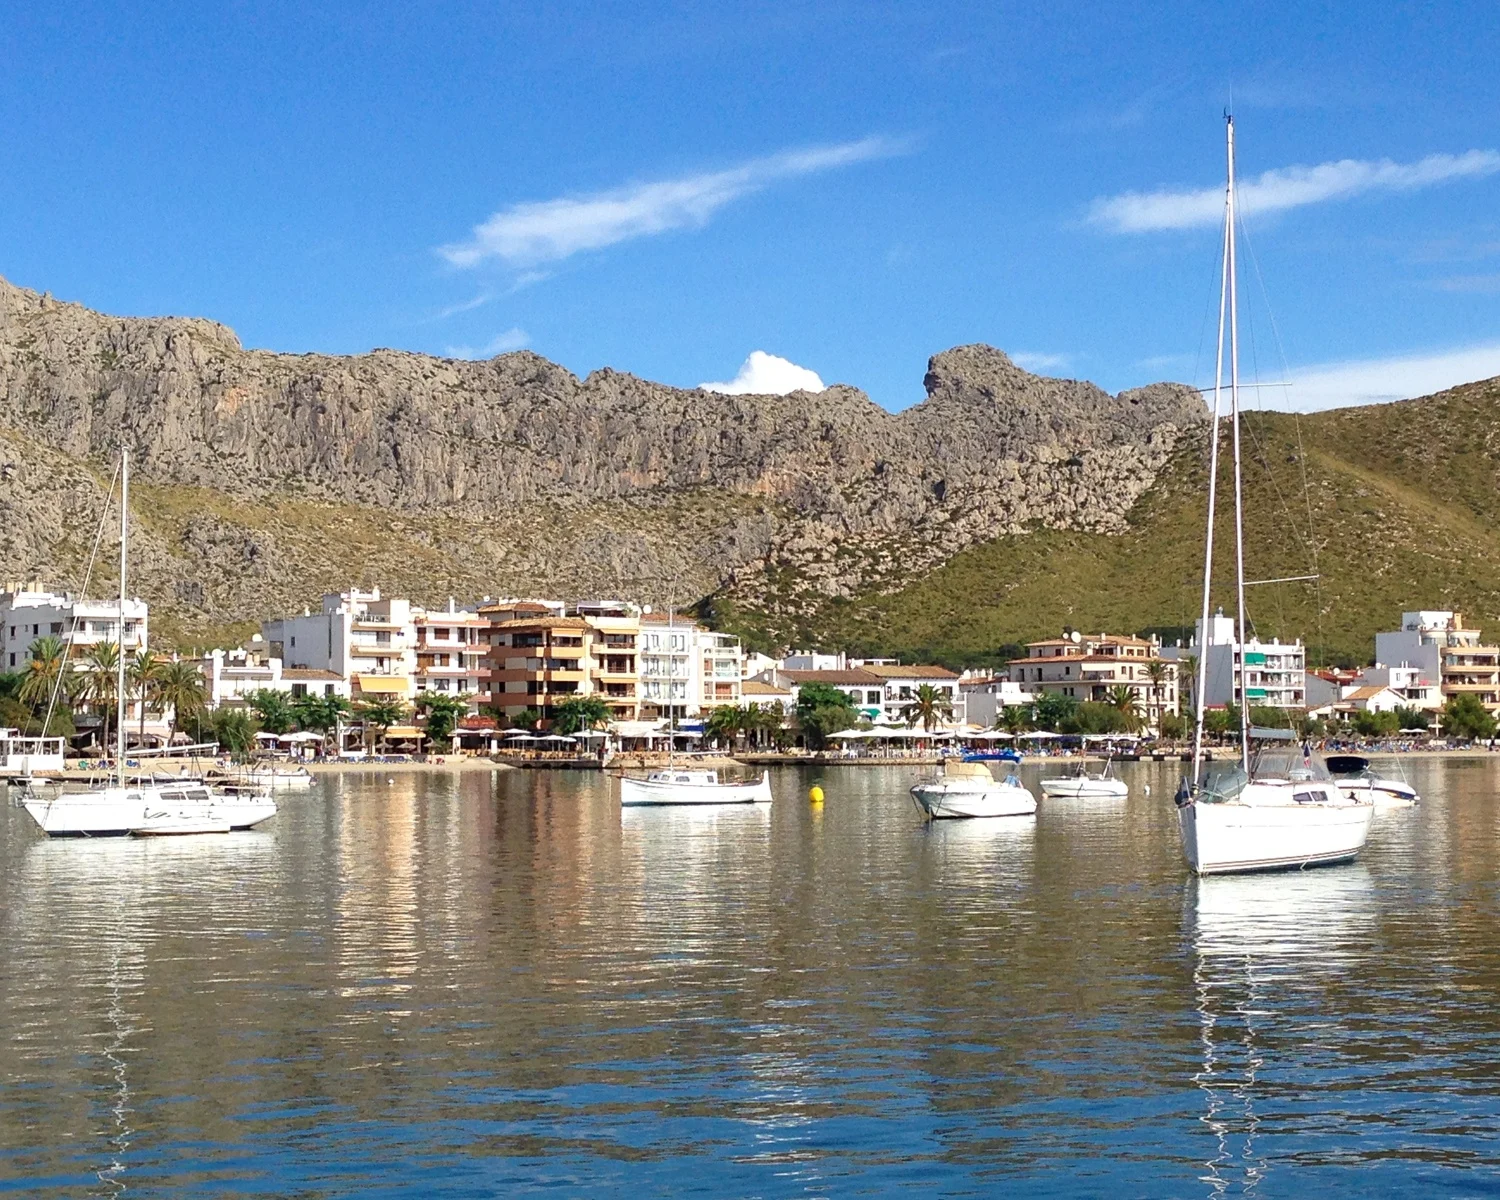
x,y
1284,188
541,231
1376,380
765,374
463,306
501,343
1037,363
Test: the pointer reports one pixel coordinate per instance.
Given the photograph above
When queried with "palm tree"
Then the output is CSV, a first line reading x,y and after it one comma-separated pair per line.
x,y
101,685
1013,718
45,659
1187,679
929,706
1158,672
142,672
1124,699
727,722
380,715
179,686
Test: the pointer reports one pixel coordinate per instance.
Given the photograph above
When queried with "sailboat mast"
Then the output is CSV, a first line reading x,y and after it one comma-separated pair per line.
x,y
120,638
1239,501
1199,688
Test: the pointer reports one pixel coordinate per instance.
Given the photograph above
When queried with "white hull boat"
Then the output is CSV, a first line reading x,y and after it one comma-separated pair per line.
x,y
1084,787
147,809
290,779
968,790
1356,780
1273,825
674,786
100,812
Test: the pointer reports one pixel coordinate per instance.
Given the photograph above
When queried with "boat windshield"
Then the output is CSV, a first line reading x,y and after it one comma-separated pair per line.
x,y
1282,762
1224,783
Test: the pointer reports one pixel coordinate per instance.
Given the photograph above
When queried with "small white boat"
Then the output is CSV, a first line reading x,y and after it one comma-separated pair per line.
x,y
968,789
1354,777
148,808
1287,813
291,779
1085,785
109,811
678,786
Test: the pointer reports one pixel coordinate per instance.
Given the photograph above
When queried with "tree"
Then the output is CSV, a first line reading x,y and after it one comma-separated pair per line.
x,y
527,718
765,723
1172,726
1093,716
380,715
1158,671
930,705
1465,717
1413,718
142,670
320,714
1123,699
443,711
579,712
823,709
44,660
273,710
1375,724
1052,709
234,729
101,684
727,722
179,687
1187,679
1013,718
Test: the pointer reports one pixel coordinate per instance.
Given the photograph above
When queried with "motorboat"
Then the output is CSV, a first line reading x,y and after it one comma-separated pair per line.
x,y
277,778
1356,779
1084,784
1283,809
1287,811
969,789
676,785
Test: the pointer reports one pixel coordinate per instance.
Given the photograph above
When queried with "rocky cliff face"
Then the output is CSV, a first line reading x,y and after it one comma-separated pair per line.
x,y
514,475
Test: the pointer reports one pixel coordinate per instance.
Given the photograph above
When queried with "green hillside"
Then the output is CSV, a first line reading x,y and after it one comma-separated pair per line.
x,y
1399,511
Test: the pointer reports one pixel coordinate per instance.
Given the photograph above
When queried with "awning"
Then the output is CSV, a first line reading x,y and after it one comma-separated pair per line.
x,y
404,731
384,685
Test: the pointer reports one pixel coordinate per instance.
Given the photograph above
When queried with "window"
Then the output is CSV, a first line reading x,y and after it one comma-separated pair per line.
x,y
57,628
298,690
328,689
12,660
294,640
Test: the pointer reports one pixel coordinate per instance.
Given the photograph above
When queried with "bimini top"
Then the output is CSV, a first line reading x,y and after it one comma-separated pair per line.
x,y
1347,764
1263,733
955,769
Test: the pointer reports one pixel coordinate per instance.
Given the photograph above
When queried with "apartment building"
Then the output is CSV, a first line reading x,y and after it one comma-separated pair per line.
x,y
536,659
231,675
452,649
1445,651
1265,674
614,654
865,689
29,612
900,683
363,638
1088,667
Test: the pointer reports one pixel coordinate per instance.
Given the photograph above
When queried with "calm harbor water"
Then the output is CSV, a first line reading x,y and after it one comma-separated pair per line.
x,y
473,985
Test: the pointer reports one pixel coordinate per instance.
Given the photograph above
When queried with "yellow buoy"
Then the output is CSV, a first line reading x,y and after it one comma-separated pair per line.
x,y
815,794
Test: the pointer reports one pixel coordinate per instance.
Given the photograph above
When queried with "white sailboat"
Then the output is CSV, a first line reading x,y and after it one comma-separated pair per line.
x,y
969,789
145,807
1283,809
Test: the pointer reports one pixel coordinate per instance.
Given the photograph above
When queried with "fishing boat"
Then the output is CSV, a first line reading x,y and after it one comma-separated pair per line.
x,y
677,786
1084,784
277,778
1283,810
1356,779
969,789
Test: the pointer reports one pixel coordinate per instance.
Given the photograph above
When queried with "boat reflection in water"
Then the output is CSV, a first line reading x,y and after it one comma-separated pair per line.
x,y
102,910
1268,950
980,854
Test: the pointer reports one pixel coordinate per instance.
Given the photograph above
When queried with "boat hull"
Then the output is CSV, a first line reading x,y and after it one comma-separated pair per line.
x,y
641,793
1067,788
282,781
942,801
86,816
1382,793
1230,837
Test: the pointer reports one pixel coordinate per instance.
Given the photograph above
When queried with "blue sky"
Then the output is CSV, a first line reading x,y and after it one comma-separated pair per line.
x,y
667,188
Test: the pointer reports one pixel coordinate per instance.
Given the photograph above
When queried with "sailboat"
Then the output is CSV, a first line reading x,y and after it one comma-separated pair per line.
x,y
676,785
144,807
1282,809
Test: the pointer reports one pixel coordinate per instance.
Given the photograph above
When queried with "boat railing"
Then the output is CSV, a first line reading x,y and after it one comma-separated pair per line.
x,y
1224,785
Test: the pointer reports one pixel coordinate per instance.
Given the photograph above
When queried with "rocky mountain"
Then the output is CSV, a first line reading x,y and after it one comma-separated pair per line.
x,y
262,480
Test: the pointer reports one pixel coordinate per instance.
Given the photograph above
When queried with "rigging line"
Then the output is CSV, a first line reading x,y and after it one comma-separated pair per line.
x,y
1286,373
88,575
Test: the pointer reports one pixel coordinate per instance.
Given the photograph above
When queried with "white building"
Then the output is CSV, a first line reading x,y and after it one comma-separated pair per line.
x,y
364,639
451,647
29,613
1448,656
1275,672
900,684
984,697
718,665
231,675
